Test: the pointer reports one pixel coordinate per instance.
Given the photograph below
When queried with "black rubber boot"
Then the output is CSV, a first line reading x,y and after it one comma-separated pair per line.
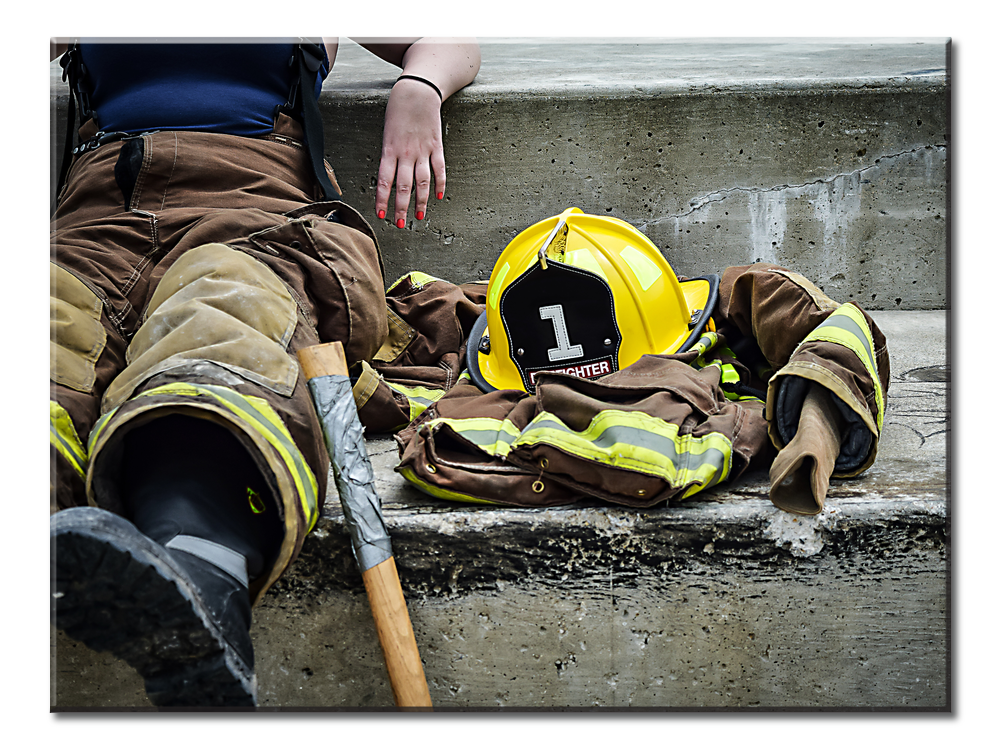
x,y
168,591
116,590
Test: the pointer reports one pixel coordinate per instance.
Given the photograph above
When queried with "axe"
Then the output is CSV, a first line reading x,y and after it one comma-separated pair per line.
x,y
325,370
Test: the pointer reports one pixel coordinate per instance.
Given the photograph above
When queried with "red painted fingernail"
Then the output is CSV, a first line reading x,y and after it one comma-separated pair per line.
x,y
400,224
440,196
381,214
420,215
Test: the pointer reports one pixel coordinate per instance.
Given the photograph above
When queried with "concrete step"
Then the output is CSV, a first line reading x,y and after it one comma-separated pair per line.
x,y
826,156
719,601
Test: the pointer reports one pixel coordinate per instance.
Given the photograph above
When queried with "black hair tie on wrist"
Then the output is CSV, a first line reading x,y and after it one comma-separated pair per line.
x,y
422,80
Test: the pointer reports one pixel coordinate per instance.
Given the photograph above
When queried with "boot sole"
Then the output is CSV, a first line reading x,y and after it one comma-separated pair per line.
x,y
115,590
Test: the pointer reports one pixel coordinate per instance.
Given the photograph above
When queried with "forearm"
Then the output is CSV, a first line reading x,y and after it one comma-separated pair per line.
x,y
450,63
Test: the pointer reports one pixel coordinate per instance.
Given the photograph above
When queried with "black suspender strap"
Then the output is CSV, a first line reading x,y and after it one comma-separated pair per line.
x,y
74,72
310,57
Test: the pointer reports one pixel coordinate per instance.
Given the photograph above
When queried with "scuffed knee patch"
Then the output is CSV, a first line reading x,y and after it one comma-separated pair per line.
x,y
76,336
217,305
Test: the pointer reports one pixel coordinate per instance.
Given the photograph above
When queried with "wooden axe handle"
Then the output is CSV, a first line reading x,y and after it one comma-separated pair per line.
x,y
323,359
395,634
385,595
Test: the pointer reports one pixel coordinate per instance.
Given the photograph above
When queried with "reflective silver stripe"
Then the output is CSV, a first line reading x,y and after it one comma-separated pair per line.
x,y
846,323
228,560
848,327
418,397
492,436
629,440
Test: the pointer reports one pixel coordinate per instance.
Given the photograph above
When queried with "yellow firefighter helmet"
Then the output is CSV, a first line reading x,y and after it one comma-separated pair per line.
x,y
584,295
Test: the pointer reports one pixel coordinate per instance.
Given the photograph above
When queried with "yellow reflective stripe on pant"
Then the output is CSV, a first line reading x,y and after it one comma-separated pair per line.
x,y
63,436
258,414
626,440
847,326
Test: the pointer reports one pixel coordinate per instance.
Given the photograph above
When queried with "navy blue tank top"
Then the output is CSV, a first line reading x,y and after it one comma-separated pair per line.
x,y
218,87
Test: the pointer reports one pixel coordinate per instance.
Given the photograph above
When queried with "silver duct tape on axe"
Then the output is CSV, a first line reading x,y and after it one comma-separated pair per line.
x,y
352,469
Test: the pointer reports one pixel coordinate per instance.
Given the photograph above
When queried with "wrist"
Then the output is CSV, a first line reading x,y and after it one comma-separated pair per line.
x,y
422,81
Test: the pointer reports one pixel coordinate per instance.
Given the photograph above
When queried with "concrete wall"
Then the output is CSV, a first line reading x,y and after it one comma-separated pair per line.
x,y
829,157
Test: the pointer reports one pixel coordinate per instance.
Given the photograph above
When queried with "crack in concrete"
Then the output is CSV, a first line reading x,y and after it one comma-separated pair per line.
x,y
720,195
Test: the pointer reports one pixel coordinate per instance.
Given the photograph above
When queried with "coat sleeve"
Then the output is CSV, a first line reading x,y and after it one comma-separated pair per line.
x,y
422,357
805,337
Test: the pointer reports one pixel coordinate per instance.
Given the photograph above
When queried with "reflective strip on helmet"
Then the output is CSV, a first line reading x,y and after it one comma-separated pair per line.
x,y
626,440
498,284
261,416
847,326
63,436
585,259
646,272
417,397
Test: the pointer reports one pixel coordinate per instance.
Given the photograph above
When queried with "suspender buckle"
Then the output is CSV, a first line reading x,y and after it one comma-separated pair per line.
x,y
312,55
100,139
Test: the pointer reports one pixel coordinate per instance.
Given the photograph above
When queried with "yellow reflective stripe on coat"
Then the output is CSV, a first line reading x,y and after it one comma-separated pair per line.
x,y
63,436
627,440
492,436
638,442
417,279
410,476
261,416
704,344
847,326
418,397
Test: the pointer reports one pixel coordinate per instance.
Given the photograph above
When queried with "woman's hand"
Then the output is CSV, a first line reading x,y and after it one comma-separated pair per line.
x,y
412,146
412,150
